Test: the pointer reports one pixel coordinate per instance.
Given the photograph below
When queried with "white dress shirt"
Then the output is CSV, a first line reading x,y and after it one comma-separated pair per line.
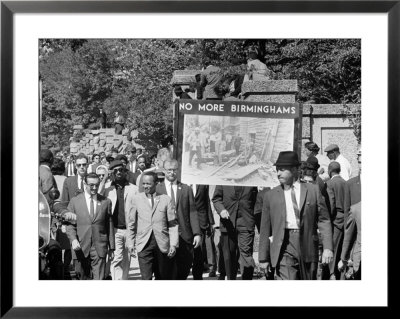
x,y
291,221
79,181
174,187
345,167
87,198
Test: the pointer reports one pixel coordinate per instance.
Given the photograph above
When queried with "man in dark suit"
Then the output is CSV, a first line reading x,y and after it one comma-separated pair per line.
x,y
93,234
70,168
352,241
336,188
291,213
189,229
73,185
206,220
235,206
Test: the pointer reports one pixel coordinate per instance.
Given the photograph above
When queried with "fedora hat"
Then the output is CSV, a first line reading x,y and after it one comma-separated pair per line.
x,y
287,158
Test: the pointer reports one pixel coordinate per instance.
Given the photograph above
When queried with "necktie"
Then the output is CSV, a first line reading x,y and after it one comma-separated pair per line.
x,y
295,206
81,183
152,200
91,208
173,196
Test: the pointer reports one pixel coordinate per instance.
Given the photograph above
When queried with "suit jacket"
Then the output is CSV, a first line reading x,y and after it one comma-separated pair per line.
x,y
66,168
313,212
234,199
129,192
47,181
144,220
98,231
336,188
203,207
353,194
70,188
185,210
352,236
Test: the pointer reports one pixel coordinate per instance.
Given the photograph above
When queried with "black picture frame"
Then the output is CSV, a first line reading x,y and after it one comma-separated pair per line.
x,y
9,8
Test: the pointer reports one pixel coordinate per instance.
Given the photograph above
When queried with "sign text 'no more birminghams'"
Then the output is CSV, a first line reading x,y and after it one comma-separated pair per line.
x,y
240,108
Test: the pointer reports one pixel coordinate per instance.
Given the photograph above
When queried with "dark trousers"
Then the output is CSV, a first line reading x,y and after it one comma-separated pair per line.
x,y
290,266
199,258
183,259
237,246
198,153
338,236
90,267
153,260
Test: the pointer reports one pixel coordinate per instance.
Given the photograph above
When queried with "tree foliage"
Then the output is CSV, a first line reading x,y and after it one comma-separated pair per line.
x,y
133,76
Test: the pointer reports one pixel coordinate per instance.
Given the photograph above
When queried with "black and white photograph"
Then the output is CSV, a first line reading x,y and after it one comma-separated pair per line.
x,y
217,159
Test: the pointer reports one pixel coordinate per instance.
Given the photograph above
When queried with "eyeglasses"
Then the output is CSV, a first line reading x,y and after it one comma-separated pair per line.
x,y
101,175
118,170
79,165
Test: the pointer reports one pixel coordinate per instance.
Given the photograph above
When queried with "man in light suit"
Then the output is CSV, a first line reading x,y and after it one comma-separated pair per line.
x,y
189,228
73,185
336,188
290,215
352,241
121,194
93,234
153,227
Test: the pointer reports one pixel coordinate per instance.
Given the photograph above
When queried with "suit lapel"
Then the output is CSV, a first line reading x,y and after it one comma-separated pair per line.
x,y
156,201
97,208
282,203
179,192
84,208
303,195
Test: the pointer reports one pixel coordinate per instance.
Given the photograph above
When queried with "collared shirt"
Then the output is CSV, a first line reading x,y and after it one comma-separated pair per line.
x,y
87,198
149,198
291,221
79,182
194,188
174,187
345,167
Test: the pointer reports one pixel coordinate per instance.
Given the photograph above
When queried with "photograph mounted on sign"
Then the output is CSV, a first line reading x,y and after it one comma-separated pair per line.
x,y
234,142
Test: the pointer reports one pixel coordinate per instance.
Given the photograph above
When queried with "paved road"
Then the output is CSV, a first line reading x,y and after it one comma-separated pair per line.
x,y
134,272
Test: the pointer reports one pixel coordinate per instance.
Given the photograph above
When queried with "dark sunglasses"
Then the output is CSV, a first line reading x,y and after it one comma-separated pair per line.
x,y
101,175
118,170
79,165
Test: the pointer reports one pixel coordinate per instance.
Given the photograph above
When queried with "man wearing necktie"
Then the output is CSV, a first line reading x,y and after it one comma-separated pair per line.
x,y
93,234
292,214
153,231
235,206
189,228
73,185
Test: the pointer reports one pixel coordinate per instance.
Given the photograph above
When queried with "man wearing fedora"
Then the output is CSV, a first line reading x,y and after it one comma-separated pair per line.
x,y
312,150
336,188
333,153
292,214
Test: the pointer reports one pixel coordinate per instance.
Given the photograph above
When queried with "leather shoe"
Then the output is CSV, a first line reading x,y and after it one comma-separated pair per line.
x,y
212,274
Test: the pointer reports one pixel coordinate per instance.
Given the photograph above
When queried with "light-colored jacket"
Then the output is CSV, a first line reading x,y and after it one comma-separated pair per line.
x,y
161,220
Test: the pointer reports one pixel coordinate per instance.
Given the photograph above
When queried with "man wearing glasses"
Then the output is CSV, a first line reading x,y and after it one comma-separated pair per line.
x,y
189,227
93,234
73,185
121,194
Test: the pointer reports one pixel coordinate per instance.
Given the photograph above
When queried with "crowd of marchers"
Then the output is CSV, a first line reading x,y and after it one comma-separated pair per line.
x,y
309,225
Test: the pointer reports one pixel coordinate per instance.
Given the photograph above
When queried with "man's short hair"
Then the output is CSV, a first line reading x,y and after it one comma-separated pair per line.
x,y
153,174
94,155
171,161
121,157
80,156
91,175
334,167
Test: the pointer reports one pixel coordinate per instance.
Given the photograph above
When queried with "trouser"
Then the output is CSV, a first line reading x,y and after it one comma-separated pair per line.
x,y
198,153
90,267
199,256
337,238
121,261
237,245
183,259
153,260
290,266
